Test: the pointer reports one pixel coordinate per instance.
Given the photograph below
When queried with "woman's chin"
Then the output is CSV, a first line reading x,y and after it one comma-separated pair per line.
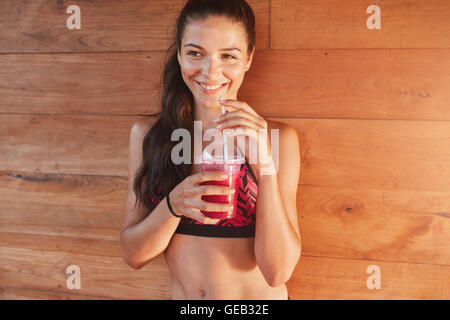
x,y
211,103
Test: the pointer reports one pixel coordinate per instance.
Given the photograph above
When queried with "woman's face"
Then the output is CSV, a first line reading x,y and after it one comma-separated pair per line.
x,y
204,60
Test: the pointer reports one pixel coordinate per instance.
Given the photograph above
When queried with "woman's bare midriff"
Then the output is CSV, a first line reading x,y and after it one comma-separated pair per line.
x,y
217,268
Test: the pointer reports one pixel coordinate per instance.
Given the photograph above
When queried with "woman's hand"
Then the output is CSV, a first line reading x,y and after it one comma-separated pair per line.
x,y
185,198
245,121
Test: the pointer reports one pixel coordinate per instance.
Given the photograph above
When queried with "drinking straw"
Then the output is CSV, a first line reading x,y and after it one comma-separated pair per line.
x,y
225,147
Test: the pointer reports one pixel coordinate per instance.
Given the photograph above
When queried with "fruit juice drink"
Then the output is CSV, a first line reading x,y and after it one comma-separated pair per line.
x,y
232,166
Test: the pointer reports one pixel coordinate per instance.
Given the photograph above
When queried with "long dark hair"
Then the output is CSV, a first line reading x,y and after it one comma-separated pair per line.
x,y
158,175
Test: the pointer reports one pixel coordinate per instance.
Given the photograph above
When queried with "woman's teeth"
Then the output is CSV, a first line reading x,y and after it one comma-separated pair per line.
x,y
210,88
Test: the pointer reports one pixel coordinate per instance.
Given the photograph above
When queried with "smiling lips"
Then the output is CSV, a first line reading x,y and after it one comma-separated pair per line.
x,y
211,89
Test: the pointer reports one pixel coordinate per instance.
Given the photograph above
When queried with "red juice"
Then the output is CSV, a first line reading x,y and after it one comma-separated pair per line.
x,y
232,168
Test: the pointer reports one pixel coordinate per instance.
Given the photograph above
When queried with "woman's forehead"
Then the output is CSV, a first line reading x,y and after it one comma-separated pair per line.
x,y
214,30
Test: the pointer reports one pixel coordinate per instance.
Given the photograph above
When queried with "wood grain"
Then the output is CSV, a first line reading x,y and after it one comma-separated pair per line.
x,y
78,206
101,276
353,84
341,279
407,155
40,263
390,155
80,84
388,225
122,25
371,108
12,293
303,24
375,224
368,189
65,144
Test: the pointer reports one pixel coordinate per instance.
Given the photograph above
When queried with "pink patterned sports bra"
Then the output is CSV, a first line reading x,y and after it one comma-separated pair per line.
x,y
242,225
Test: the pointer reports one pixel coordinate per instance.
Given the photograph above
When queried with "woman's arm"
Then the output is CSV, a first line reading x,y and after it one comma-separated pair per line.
x,y
143,241
277,238
143,236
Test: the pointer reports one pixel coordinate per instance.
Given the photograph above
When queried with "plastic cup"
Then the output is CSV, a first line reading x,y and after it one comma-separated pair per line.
x,y
232,166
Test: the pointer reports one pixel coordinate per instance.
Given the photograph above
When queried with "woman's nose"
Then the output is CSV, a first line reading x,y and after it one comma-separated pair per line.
x,y
211,67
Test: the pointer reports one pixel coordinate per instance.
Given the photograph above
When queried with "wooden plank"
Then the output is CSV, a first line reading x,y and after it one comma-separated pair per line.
x,y
79,206
123,25
394,183
388,155
356,223
40,263
11,293
303,24
375,224
86,83
355,84
66,144
404,155
334,278
32,266
407,205
63,244
395,84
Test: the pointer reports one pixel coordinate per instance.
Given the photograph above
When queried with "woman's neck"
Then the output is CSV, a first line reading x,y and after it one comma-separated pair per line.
x,y
207,115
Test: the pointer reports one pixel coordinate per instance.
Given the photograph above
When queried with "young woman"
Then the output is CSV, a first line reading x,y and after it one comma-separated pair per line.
x,y
252,255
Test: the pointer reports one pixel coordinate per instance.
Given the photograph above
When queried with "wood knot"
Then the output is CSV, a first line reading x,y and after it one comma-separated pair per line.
x,y
345,206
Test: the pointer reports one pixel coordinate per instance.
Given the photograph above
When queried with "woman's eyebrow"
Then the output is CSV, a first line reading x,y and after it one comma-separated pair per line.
x,y
224,49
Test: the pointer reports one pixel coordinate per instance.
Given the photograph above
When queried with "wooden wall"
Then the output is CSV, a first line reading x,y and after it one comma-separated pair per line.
x,y
372,109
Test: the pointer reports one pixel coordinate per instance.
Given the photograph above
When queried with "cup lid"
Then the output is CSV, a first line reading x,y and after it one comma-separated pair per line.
x,y
206,157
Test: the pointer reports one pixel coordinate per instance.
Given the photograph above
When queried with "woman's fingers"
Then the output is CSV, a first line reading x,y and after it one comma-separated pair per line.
x,y
192,196
239,121
238,105
200,204
208,176
243,131
199,216
241,114
214,189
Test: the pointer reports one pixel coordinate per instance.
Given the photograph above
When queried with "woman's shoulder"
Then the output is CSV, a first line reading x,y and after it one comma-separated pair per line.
x,y
288,139
144,124
285,130
140,128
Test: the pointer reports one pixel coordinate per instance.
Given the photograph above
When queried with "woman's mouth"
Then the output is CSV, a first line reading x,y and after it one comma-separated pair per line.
x,y
211,89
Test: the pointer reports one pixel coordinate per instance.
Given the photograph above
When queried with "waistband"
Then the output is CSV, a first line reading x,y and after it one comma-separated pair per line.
x,y
206,230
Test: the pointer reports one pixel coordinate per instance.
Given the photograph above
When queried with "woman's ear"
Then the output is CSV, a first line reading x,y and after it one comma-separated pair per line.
x,y
250,59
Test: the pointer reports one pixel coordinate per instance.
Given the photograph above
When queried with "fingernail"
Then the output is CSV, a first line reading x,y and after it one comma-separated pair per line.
x,y
222,99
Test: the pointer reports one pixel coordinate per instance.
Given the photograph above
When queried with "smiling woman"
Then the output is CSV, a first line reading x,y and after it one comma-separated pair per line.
x,y
217,68
253,254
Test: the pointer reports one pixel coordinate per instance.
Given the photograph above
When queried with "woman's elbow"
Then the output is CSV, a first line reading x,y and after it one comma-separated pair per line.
x,y
134,260
129,257
282,275
278,278
135,264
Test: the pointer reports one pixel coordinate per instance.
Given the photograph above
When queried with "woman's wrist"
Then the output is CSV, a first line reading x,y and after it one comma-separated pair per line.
x,y
267,168
171,210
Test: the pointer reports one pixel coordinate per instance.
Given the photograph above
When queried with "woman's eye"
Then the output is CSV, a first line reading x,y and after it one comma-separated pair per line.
x,y
229,56
193,53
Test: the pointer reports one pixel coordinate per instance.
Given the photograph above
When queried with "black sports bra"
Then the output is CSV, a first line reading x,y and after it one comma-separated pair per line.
x,y
240,226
